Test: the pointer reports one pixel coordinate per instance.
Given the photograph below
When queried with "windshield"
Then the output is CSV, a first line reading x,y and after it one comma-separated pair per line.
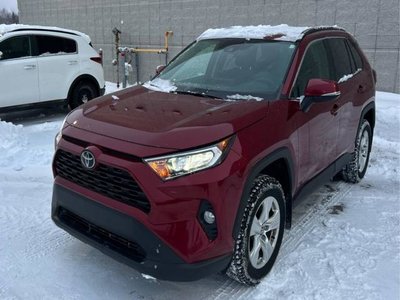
x,y
236,69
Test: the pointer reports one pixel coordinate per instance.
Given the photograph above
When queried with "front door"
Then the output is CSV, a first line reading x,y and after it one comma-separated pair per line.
x,y
319,127
18,72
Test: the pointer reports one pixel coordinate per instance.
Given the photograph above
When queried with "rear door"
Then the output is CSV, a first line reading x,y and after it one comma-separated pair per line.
x,y
18,72
58,62
355,86
347,74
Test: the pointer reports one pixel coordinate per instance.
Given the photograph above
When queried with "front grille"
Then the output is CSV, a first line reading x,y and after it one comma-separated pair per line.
x,y
107,151
109,181
100,235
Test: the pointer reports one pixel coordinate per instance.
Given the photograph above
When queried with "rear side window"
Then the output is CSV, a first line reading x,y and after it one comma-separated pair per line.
x,y
315,65
340,56
356,56
15,47
50,45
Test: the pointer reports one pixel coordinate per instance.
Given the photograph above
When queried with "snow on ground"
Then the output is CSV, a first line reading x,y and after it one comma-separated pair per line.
x,y
345,242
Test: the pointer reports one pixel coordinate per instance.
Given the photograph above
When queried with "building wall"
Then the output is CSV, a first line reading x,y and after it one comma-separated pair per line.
x,y
374,23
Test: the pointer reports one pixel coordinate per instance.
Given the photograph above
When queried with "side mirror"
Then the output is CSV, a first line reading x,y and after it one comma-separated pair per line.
x,y
1,55
319,90
159,69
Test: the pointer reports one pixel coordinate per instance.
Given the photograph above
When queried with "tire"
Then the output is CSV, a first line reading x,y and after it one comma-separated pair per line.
x,y
355,170
81,94
249,262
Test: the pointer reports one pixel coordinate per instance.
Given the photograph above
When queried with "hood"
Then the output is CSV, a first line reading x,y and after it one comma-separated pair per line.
x,y
164,120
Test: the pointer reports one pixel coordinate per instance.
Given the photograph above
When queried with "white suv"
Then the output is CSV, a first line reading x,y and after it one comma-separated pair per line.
x,y
47,65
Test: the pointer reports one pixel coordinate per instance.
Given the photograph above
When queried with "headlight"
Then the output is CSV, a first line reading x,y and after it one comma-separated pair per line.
x,y
172,166
59,134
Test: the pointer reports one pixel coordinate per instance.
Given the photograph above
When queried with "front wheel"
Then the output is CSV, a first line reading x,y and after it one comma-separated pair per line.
x,y
355,170
81,94
260,236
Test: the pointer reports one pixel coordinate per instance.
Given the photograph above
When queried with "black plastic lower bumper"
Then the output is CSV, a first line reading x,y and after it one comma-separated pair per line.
x,y
125,239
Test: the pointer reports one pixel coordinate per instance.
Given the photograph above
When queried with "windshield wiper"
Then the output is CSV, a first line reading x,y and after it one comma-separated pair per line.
x,y
198,94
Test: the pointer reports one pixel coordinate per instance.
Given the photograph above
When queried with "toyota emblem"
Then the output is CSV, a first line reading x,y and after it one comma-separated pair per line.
x,y
87,159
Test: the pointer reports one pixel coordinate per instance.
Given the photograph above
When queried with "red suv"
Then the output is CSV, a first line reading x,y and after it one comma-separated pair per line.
x,y
197,171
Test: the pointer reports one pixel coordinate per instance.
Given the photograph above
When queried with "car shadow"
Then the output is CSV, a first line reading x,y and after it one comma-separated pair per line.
x,y
34,115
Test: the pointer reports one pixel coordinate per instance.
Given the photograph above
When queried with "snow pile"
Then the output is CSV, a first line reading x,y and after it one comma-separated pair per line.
x,y
13,139
148,277
4,28
160,85
243,97
11,136
22,146
282,32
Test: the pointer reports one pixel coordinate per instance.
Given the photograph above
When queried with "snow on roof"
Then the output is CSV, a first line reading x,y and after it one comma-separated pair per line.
x,y
281,32
4,28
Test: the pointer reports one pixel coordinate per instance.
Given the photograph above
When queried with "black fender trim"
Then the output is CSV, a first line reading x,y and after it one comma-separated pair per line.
x,y
369,107
257,169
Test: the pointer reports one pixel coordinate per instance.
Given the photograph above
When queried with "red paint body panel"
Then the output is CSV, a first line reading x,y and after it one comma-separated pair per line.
x,y
165,120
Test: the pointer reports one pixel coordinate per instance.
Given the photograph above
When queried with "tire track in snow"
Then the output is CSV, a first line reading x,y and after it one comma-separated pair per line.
x,y
315,206
22,209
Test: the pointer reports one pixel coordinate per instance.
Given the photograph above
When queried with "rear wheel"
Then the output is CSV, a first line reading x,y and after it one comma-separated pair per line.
x,y
355,170
82,93
261,232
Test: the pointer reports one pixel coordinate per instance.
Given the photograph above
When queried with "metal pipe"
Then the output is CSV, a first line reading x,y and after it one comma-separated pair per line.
x,y
136,51
166,37
117,33
157,51
143,50
137,66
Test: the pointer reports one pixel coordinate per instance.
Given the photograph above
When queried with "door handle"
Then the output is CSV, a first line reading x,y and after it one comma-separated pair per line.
x,y
30,67
72,62
335,109
361,89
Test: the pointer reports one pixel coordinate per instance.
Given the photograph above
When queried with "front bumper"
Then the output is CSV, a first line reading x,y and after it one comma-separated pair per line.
x,y
125,239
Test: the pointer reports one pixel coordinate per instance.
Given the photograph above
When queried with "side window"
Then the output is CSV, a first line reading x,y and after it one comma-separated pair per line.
x,y
356,56
15,47
340,56
50,45
315,65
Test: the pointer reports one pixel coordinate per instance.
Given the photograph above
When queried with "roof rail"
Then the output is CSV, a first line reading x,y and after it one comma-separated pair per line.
x,y
42,29
322,28
4,28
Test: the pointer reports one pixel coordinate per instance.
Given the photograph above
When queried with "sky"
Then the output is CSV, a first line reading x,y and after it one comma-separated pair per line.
x,y
9,4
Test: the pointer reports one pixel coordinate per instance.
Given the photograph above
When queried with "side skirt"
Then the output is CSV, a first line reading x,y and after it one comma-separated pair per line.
x,y
47,104
323,177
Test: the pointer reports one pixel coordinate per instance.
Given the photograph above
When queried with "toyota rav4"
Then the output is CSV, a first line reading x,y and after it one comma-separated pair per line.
x,y
197,171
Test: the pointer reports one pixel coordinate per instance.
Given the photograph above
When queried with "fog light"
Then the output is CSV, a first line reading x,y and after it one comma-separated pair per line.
x,y
209,217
